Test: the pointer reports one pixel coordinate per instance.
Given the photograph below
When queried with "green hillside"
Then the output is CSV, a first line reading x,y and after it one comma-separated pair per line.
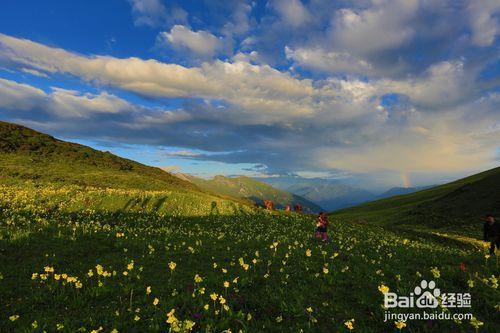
x,y
31,160
456,207
249,188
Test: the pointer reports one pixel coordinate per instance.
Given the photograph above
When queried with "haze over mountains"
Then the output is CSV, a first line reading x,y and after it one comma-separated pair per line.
x,y
331,194
251,189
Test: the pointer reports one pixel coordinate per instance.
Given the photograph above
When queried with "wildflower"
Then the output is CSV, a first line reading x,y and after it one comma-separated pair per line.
x,y
156,301
226,284
172,265
213,296
114,330
148,290
14,317
279,319
206,307
435,272
349,324
309,309
383,289
249,317
476,323
325,270
198,278
308,253
130,266
470,283
78,285
125,273
34,324
188,324
34,276
137,318
222,300
400,324
59,327
90,273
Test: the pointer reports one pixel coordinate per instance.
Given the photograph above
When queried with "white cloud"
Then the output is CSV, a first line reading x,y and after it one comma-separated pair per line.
x,y
384,25
330,123
293,12
484,21
328,61
18,96
154,13
202,43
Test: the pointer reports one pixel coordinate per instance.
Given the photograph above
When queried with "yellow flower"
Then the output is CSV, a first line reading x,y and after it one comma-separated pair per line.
x,y
130,266
383,289
249,317
114,330
309,309
57,277
34,324
125,273
400,324
476,323
78,285
325,270
470,282
198,278
14,317
172,265
213,296
59,327
188,324
206,307
148,290
308,253
137,318
156,301
279,319
34,276
435,272
349,324
226,284
222,300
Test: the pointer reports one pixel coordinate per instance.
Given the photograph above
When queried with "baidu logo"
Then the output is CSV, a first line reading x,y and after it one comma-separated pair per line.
x,y
427,295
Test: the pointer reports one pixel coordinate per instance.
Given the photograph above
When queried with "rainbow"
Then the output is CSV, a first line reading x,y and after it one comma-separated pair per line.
x,y
406,179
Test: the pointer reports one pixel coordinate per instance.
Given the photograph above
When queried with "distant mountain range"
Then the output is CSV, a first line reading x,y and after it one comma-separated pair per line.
x,y
250,189
329,194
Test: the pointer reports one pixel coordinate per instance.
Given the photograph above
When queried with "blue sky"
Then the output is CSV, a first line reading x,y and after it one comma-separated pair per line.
x,y
372,91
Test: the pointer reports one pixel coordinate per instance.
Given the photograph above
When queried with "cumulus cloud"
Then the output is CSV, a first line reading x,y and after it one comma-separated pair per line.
x,y
202,43
484,21
384,25
293,12
154,13
246,113
328,61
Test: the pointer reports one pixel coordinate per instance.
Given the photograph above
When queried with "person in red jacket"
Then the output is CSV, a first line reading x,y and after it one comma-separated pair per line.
x,y
322,227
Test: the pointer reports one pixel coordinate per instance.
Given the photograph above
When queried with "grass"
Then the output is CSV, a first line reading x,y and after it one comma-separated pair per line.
x,y
115,247
456,207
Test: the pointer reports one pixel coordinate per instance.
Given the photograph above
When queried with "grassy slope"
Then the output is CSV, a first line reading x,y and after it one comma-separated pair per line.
x,y
456,206
29,158
249,188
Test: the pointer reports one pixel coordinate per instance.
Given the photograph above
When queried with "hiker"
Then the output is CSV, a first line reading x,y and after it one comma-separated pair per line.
x,y
491,230
321,227
269,204
298,208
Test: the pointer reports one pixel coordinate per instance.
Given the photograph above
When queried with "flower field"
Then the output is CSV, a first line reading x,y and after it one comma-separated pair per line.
x,y
76,259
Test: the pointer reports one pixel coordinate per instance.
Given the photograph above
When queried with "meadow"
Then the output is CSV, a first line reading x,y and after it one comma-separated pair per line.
x,y
84,259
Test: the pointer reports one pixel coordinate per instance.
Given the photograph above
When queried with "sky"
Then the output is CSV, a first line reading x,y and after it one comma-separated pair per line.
x,y
374,92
